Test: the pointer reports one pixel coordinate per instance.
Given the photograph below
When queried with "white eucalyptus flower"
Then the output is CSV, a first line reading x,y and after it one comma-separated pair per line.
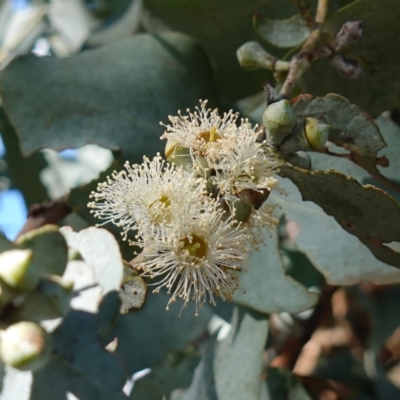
x,y
201,131
147,197
259,223
244,163
197,259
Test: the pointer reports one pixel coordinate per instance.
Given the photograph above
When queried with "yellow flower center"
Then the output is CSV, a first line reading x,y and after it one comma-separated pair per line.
x,y
158,210
211,135
166,202
197,247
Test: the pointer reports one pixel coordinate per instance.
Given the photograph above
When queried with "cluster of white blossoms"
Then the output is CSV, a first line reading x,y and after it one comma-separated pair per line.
x,y
185,218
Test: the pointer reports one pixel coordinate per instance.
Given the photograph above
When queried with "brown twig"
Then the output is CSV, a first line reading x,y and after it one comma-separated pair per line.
x,y
48,212
301,62
316,47
305,12
322,11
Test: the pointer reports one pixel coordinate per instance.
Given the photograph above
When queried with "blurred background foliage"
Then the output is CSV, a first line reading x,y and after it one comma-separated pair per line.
x,y
84,85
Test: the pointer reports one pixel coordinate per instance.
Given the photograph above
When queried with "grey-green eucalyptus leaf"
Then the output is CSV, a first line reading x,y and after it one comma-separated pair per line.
x,y
364,211
282,33
231,368
337,254
221,27
100,250
262,286
176,371
351,128
113,96
60,378
16,384
50,252
146,335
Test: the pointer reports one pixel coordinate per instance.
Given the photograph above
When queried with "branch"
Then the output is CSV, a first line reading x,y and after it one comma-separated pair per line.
x,y
48,212
316,47
322,11
305,12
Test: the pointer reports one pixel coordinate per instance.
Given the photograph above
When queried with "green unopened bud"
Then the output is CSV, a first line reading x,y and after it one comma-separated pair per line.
x,y
310,135
317,133
170,148
300,159
241,211
49,300
251,55
178,155
202,168
25,346
254,198
279,119
17,270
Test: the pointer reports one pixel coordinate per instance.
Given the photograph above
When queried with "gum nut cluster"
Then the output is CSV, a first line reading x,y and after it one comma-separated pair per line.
x,y
191,244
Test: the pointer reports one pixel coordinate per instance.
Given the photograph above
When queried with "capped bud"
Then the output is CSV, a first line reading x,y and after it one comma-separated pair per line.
x,y
254,198
202,168
17,270
300,159
49,300
170,147
251,55
178,155
317,133
309,135
241,210
279,120
25,346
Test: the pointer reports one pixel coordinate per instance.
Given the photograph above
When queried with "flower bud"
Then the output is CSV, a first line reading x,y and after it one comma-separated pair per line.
x,y
317,133
202,168
169,148
309,135
254,198
279,120
17,270
241,210
178,155
25,346
252,56
49,300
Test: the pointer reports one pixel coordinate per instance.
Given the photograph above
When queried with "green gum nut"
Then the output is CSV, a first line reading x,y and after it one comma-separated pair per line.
x,y
316,132
17,270
49,300
25,346
251,55
279,119
202,167
309,135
